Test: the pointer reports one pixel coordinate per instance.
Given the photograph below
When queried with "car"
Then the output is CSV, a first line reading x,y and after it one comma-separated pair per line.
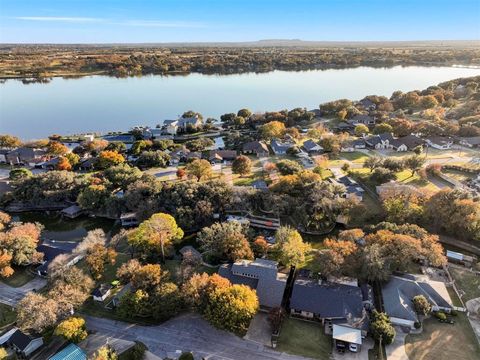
x,y
353,348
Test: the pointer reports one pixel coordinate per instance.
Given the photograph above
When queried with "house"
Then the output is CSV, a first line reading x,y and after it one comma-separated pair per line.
x,y
351,187
344,127
25,156
261,275
400,290
457,257
87,164
3,155
24,344
393,188
471,142
280,147
258,148
129,219
51,250
380,142
101,292
49,164
71,352
311,146
260,185
219,156
368,104
190,253
352,145
173,127
331,303
361,119
440,142
406,143
72,211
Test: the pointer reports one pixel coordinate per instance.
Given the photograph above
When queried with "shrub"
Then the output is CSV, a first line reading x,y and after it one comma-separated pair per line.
x,y
417,325
440,316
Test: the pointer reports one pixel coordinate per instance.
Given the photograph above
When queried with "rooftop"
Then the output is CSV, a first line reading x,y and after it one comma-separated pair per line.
x,y
71,352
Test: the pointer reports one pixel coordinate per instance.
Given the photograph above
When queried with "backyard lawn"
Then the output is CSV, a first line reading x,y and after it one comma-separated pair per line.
x,y
467,282
443,341
20,277
355,157
7,315
304,338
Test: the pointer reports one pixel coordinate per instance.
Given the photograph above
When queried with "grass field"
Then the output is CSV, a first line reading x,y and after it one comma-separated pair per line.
x,y
467,282
355,157
443,341
20,277
305,339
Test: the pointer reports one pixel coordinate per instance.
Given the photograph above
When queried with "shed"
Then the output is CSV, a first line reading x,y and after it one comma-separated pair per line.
x,y
72,211
347,334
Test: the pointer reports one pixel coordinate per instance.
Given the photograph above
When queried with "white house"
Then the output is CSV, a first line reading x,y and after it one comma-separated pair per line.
x,y
440,142
24,344
173,127
101,292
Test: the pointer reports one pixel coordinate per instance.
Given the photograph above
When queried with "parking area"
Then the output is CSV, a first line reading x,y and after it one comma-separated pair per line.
x,y
260,330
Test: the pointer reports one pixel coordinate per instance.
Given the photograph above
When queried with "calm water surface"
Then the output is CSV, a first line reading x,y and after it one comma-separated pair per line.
x,y
102,104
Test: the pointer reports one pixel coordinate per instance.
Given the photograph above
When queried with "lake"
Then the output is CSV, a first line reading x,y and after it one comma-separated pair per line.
x,y
102,104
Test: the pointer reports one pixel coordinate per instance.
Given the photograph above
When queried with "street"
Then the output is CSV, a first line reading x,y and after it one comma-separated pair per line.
x,y
12,295
187,332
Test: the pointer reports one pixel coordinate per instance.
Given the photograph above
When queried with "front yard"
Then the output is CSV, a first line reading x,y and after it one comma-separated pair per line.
x,y
467,282
443,341
304,338
7,315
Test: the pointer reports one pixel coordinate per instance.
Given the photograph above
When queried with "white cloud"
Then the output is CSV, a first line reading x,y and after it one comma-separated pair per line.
x,y
164,24
59,19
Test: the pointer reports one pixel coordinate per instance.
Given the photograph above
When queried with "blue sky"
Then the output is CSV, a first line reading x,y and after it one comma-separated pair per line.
x,y
121,21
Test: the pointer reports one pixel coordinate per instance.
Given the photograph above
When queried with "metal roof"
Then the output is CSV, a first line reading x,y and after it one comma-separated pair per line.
x,y
347,334
71,352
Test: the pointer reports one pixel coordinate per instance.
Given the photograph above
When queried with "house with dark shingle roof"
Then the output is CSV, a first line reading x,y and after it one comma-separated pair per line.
x,y
362,119
381,141
261,275
406,143
400,290
470,141
280,147
440,142
367,104
330,302
24,344
101,292
258,148
311,146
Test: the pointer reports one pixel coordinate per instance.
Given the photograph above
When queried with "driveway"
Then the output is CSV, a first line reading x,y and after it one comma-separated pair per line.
x,y
12,295
362,355
396,351
188,332
260,329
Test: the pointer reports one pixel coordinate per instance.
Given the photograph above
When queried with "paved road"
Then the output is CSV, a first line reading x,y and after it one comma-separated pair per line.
x,y
188,332
12,295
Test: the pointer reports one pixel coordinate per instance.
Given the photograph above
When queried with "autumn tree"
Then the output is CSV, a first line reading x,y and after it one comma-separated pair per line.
x,y
97,257
5,261
155,234
108,158
421,305
21,241
56,148
242,165
260,246
199,169
63,164
106,352
72,329
9,141
289,246
272,129
226,241
414,163
382,128
36,313
181,173
361,130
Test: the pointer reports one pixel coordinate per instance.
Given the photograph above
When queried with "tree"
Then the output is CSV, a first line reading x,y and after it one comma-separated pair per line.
x,y
121,176
245,113
97,257
260,246
9,141
199,169
232,308
147,277
5,261
21,241
288,167
342,114
181,173
140,146
225,241
72,329
381,175
186,356
19,174
106,352
153,159
242,165
361,130
56,148
272,129
156,233
382,328
117,146
36,313
199,144
108,158
93,197
414,163
4,354
289,246
63,164
428,102
421,304
382,128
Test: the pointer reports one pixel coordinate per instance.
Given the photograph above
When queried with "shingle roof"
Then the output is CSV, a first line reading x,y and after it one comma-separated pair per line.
x,y
257,146
261,275
20,340
71,352
102,290
310,145
329,300
400,290
279,146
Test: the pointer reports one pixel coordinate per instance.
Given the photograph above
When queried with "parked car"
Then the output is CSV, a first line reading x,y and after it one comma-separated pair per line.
x,y
353,348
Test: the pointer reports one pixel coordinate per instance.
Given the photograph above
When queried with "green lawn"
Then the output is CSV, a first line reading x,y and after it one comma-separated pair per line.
x,y
303,338
7,315
443,341
20,277
466,281
356,157
109,274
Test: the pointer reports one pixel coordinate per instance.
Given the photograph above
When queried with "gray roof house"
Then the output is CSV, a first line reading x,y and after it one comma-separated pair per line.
x,y
280,147
470,141
381,141
261,275
362,119
324,300
440,142
405,143
311,146
24,155
256,147
24,344
400,290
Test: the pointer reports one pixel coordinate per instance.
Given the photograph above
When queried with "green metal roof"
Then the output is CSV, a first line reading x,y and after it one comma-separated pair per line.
x,y
71,352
